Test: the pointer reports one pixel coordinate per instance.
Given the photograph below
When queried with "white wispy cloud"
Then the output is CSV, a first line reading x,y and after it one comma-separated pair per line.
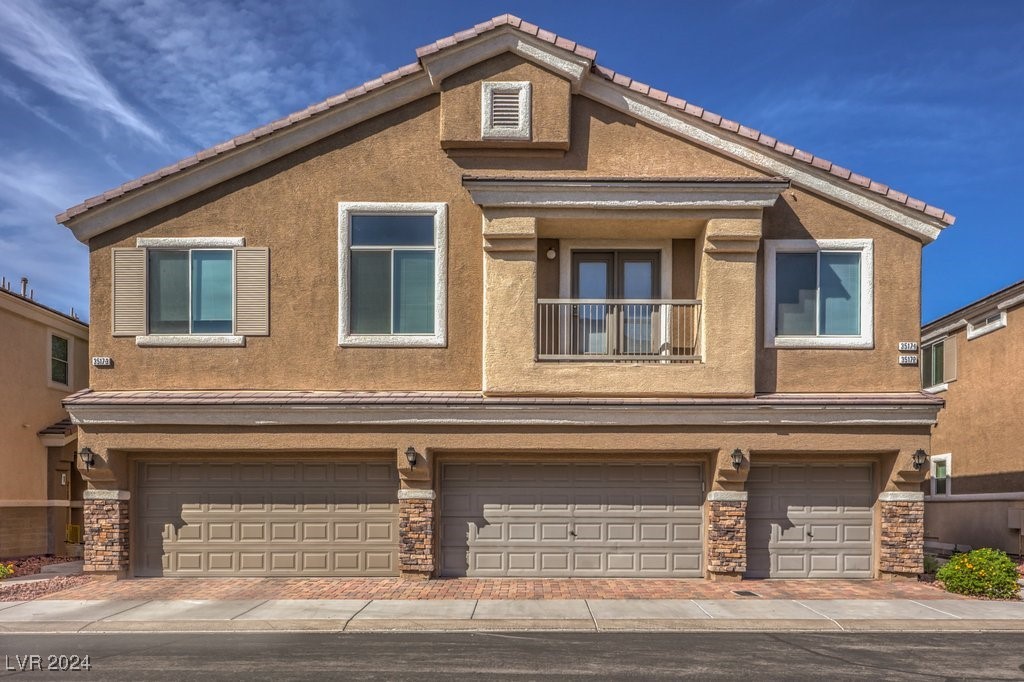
x,y
35,41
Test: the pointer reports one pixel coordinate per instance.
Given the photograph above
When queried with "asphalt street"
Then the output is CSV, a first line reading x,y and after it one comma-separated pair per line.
x,y
524,655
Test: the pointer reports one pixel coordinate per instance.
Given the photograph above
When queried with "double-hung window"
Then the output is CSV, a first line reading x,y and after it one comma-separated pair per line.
x,y
819,293
60,361
190,291
941,475
392,274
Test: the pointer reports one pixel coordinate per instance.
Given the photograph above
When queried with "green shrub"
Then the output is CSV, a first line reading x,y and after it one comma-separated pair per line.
x,y
981,573
6,570
931,564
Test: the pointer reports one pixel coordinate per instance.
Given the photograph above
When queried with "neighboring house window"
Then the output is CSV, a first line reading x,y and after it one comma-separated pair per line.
x,y
190,291
60,361
819,293
505,108
986,325
941,475
392,274
938,364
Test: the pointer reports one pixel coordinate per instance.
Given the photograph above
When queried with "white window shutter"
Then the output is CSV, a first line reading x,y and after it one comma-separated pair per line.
x,y
949,359
129,292
252,291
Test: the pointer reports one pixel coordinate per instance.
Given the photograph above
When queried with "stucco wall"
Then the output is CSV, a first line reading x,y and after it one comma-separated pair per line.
x,y
978,524
982,424
27,403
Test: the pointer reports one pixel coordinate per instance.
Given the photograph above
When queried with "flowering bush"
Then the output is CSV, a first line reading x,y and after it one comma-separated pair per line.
x,y
981,573
6,570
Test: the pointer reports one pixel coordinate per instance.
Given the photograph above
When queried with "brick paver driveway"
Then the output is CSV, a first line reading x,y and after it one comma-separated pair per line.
x,y
494,588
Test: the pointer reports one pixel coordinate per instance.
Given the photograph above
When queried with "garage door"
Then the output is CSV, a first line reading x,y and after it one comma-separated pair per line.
x,y
266,518
810,521
571,519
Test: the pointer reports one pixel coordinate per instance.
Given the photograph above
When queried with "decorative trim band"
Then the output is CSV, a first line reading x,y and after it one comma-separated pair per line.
x,y
727,496
900,496
14,504
416,494
976,497
189,341
189,242
102,494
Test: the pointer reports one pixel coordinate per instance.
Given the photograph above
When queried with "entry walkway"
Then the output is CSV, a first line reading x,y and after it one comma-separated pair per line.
x,y
350,615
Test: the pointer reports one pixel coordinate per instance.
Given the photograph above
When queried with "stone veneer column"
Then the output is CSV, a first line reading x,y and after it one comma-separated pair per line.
x,y
416,533
727,534
902,541
105,514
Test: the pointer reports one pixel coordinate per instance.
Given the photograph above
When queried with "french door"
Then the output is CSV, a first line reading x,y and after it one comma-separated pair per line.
x,y
615,291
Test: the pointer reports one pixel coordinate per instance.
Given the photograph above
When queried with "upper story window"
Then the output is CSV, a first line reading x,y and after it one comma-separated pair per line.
x,y
986,325
819,293
190,291
938,364
505,110
392,274
60,361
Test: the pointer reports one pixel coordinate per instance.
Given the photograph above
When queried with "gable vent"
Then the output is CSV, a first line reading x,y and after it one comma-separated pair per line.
x,y
505,110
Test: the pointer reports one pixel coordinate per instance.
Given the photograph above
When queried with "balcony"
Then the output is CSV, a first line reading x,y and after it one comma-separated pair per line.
x,y
618,330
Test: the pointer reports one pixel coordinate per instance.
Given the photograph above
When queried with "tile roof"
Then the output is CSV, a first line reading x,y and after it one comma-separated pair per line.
x,y
515,22
475,398
62,428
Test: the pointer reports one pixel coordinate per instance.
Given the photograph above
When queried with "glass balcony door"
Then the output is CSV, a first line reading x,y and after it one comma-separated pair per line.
x,y
615,314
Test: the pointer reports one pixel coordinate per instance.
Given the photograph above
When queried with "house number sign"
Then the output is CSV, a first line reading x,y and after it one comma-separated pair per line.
x,y
908,359
907,346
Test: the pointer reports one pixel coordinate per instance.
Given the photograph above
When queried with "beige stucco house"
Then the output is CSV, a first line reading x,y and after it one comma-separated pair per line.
x,y
975,494
45,358
505,312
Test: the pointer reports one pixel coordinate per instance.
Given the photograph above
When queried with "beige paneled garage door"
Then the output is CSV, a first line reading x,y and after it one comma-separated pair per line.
x,y
259,517
810,521
571,519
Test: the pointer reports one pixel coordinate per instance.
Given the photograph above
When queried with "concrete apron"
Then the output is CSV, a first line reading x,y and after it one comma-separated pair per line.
x,y
355,615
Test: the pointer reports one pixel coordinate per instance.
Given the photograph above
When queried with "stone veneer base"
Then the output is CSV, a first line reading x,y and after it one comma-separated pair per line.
x,y
106,536
902,538
416,537
727,538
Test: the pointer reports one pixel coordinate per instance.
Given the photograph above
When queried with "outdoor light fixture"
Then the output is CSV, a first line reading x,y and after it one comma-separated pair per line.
x,y
919,459
410,454
737,458
87,456
551,254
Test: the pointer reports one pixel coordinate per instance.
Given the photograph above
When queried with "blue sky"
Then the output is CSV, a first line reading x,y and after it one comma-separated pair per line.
x,y
923,95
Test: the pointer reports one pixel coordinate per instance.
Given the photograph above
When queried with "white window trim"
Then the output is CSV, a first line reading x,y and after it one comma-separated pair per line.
x,y
524,89
942,385
49,362
948,459
189,244
866,338
440,336
974,332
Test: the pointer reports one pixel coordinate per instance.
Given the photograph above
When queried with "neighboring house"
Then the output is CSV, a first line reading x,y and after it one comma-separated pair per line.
x,y
975,495
504,312
45,357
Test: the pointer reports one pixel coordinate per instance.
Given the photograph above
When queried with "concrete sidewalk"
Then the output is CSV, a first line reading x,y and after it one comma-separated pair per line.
x,y
354,615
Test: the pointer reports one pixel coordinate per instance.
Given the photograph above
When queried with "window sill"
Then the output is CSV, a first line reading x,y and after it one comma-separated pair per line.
x,y
189,341
823,342
57,386
393,341
937,388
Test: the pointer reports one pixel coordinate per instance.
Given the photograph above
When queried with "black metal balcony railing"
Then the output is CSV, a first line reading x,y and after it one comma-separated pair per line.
x,y
631,330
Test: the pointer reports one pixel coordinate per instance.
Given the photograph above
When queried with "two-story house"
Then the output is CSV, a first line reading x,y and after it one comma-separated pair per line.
x,y
45,355
504,312
975,495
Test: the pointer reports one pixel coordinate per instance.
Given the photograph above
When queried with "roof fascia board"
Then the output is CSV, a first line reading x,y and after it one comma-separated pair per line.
x,y
1010,297
56,440
221,168
53,320
452,60
443,415
623,194
643,108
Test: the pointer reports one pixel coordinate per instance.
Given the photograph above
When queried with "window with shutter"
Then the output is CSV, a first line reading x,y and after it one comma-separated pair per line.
x,y
506,110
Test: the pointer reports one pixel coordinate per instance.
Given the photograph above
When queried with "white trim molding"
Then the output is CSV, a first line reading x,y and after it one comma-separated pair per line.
x,y
727,496
524,91
189,242
937,388
413,494
608,194
976,330
948,459
440,213
866,338
104,494
190,341
900,496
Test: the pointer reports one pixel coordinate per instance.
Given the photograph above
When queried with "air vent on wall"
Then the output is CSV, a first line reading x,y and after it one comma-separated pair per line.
x,y
505,110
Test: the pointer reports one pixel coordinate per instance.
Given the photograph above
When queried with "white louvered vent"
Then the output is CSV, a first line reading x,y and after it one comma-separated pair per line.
x,y
505,109
129,296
